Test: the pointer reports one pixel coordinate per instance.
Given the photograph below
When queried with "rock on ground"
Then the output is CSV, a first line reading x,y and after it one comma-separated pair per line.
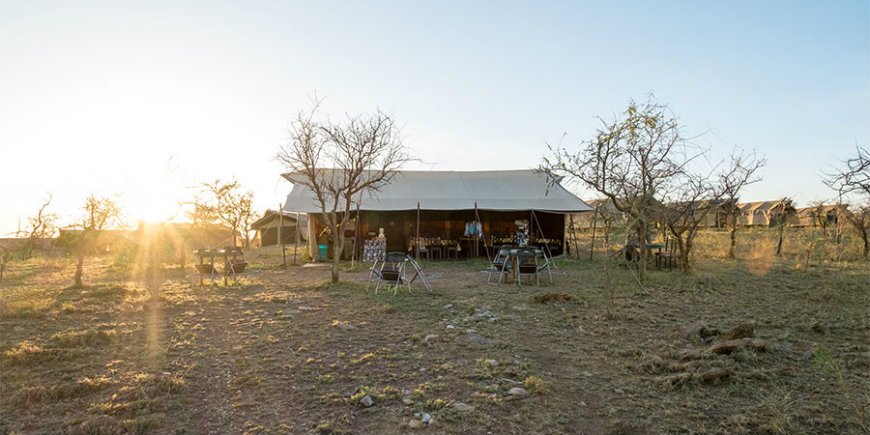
x,y
518,392
462,407
741,331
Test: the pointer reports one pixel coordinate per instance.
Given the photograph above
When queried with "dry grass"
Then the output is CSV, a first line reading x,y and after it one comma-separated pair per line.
x,y
286,353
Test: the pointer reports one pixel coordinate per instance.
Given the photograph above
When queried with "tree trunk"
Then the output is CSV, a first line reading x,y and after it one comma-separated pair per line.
x,y
866,245
79,266
779,242
733,236
644,252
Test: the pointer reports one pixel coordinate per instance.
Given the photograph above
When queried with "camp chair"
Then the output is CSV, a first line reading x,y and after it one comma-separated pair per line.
x,y
547,265
390,269
205,269
500,265
233,265
528,264
668,257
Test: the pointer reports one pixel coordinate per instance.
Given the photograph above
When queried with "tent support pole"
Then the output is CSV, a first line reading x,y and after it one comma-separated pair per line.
x,y
280,235
594,222
296,242
355,239
476,236
574,236
541,231
417,235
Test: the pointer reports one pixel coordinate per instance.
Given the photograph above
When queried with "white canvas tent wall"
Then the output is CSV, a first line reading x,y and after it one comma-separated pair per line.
x,y
513,190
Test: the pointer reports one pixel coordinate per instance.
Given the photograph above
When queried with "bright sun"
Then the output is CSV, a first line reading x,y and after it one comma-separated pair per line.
x,y
154,202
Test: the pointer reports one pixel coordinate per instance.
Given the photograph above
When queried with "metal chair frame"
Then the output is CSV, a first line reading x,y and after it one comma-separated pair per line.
x,y
501,264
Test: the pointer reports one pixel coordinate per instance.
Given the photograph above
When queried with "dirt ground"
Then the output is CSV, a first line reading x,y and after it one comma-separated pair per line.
x,y
285,352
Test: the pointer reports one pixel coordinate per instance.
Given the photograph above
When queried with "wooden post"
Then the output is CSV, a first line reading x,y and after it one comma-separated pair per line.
x,y
296,242
417,235
477,236
541,231
594,222
574,236
355,239
281,234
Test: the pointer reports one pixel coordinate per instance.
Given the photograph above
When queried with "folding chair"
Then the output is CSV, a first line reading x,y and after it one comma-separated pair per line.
x,y
390,270
500,265
205,269
527,265
233,265
547,265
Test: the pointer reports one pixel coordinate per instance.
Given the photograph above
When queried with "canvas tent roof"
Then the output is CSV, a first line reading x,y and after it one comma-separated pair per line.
x,y
271,216
454,190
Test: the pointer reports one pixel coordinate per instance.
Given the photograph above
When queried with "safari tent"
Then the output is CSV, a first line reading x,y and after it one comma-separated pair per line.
x,y
276,225
762,213
825,215
447,204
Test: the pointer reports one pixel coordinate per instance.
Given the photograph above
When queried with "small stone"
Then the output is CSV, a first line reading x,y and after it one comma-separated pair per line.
x,y
407,400
448,307
425,418
518,392
427,339
462,407
367,401
415,424
491,362
741,331
451,327
757,344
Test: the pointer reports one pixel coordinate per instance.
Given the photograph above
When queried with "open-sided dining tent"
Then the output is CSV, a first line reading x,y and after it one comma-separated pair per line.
x,y
444,202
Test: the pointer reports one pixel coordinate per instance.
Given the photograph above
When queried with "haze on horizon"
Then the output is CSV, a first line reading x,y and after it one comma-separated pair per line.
x,y
143,102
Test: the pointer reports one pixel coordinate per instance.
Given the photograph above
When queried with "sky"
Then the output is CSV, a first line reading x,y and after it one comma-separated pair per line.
x,y
144,101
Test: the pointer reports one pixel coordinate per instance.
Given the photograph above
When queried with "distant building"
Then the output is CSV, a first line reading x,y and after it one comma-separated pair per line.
x,y
275,225
825,215
763,213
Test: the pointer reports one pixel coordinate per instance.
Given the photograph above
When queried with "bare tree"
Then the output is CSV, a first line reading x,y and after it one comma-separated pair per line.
x,y
687,212
859,219
39,227
339,162
100,213
741,172
633,160
854,177
5,259
853,180
225,202
609,216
